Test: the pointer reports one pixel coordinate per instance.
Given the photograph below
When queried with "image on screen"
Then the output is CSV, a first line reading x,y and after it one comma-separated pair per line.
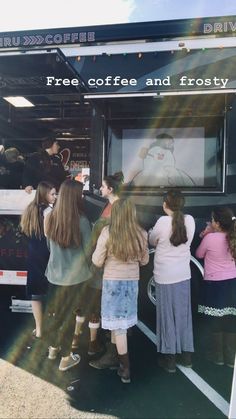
x,y
166,159
187,157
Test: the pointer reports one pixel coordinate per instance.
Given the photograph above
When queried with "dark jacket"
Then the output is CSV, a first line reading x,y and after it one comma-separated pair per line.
x,y
11,174
40,166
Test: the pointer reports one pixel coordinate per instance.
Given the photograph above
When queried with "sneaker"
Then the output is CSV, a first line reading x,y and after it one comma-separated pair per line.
x,y
53,352
230,365
66,364
33,334
216,357
95,347
32,341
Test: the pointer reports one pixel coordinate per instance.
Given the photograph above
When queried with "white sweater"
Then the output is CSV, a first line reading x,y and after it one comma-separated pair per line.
x,y
171,264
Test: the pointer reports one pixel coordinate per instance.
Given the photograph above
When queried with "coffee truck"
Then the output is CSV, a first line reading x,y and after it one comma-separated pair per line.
x,y
155,100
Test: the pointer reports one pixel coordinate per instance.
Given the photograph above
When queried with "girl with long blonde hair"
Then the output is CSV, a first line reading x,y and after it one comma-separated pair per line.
x,y
110,190
121,249
68,233
32,225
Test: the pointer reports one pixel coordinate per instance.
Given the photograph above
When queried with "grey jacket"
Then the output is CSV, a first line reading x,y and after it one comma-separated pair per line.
x,y
70,266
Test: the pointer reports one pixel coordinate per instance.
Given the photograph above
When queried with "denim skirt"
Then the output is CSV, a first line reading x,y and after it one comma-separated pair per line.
x,y
119,304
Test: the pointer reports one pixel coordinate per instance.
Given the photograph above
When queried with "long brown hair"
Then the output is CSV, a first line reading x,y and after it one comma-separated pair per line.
x,y
63,223
175,202
125,235
225,217
32,218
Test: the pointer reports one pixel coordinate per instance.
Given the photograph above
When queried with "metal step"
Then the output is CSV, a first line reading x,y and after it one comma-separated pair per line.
x,y
20,306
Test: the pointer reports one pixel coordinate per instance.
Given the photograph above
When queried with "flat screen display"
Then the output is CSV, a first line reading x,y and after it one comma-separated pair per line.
x,y
189,157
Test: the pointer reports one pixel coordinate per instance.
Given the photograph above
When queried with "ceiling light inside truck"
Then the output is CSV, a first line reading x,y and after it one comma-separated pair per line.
x,y
19,101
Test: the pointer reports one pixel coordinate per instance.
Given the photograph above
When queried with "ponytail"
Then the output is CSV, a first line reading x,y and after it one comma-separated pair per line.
x,y
179,233
225,217
175,202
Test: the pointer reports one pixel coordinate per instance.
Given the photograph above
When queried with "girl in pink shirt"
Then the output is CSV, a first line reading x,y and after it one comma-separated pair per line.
x,y
217,301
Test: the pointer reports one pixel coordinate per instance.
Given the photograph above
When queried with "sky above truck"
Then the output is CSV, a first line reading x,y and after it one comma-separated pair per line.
x,y
75,13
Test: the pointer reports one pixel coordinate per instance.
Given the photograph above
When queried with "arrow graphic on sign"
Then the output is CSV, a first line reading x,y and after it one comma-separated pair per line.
x,y
33,40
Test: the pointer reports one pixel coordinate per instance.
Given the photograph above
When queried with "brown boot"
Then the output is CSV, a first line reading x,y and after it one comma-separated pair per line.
x,y
108,360
229,349
215,352
124,369
95,347
167,362
185,359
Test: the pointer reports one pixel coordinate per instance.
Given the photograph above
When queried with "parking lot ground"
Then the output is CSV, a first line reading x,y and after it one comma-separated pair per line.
x,y
33,387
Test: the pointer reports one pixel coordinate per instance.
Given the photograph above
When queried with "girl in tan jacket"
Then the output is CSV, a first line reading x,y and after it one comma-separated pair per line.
x,y
121,249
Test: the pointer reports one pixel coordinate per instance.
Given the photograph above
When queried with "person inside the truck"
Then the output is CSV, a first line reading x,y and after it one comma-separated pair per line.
x,y
32,225
44,165
11,169
15,165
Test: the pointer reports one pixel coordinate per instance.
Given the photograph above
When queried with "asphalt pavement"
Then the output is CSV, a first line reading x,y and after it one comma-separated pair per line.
x,y
33,387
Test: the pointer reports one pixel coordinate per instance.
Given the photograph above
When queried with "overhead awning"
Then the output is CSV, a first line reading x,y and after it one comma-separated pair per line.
x,y
25,74
161,71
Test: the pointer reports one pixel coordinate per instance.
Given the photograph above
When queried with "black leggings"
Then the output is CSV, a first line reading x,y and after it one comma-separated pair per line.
x,y
225,324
